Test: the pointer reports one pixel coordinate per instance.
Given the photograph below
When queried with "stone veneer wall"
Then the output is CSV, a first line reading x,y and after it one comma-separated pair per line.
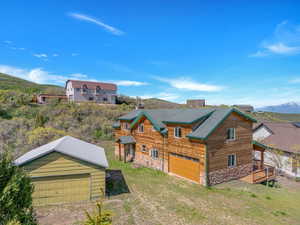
x,y
147,161
223,175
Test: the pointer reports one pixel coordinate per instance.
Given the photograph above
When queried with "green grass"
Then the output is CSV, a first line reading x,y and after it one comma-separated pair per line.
x,y
276,117
162,199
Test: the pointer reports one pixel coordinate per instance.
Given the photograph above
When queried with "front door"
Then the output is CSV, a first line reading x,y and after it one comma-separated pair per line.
x,y
129,152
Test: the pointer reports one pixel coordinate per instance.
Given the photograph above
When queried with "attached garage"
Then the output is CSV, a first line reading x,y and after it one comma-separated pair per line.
x,y
184,166
65,171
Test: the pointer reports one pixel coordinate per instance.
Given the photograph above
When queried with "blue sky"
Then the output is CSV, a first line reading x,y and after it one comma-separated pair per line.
x,y
228,52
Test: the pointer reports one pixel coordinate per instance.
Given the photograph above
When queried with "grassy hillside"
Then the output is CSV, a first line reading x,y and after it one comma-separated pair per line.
x,y
276,117
154,103
8,82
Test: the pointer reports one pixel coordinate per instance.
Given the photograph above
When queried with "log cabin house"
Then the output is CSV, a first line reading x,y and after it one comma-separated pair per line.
x,y
207,146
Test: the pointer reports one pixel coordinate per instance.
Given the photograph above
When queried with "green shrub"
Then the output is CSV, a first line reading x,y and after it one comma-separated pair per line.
x,y
101,217
15,194
253,195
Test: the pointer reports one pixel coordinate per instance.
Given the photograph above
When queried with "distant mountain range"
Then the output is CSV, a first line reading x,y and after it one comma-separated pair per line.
x,y
290,107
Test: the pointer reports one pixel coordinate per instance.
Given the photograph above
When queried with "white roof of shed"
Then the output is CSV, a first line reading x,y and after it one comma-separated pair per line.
x,y
69,146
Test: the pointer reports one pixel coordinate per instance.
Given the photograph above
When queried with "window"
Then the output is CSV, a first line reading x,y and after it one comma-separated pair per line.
x,y
231,160
177,132
84,88
231,134
154,153
144,148
141,127
91,99
126,126
98,89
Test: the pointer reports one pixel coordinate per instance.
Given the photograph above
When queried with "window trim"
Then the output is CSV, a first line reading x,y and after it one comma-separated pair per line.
x,y
235,161
139,128
143,147
176,129
156,155
126,126
234,134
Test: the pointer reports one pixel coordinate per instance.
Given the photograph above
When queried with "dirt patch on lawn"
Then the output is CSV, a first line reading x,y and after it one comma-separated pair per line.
x,y
67,214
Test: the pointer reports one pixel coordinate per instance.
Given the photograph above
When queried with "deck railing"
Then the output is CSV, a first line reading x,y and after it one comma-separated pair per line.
x,y
263,174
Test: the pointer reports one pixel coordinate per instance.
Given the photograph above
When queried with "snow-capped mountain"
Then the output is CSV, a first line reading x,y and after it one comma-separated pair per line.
x,y
290,107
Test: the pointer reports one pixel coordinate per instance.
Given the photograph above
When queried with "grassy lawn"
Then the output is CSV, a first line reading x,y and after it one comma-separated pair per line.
x,y
156,198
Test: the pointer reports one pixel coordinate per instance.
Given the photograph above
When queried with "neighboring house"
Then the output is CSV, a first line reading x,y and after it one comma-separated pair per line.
x,y
195,103
207,146
282,141
45,98
65,170
245,108
87,91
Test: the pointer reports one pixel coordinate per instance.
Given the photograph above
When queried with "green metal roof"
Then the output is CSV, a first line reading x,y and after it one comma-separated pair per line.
x,y
126,140
211,119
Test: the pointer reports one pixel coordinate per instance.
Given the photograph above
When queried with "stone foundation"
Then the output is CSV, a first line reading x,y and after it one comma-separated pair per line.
x,y
147,161
223,175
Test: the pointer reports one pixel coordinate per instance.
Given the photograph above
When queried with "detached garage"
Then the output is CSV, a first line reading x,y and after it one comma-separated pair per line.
x,y
66,170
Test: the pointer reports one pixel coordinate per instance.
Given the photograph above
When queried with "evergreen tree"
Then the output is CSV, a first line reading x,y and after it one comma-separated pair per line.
x,y
15,194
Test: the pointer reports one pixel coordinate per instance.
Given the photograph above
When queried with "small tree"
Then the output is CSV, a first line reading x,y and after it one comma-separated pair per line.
x,y
15,194
101,216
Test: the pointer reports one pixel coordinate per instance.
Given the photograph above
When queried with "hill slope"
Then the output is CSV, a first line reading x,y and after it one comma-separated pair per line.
x,y
8,82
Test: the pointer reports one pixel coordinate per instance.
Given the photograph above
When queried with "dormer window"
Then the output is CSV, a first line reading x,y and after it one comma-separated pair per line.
x,y
98,89
84,88
177,132
141,128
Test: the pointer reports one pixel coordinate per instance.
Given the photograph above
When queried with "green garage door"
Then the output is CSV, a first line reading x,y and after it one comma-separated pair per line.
x,y
61,189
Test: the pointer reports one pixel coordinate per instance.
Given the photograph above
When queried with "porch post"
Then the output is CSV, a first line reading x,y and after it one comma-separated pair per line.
x,y
119,151
124,153
262,155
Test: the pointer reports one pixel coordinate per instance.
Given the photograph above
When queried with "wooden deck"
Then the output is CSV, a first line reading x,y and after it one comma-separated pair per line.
x,y
260,175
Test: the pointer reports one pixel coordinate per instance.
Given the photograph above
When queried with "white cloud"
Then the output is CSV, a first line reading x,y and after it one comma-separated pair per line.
x,y
106,27
42,55
129,83
7,42
39,75
75,54
259,54
185,83
280,48
285,40
295,81
55,55
79,75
